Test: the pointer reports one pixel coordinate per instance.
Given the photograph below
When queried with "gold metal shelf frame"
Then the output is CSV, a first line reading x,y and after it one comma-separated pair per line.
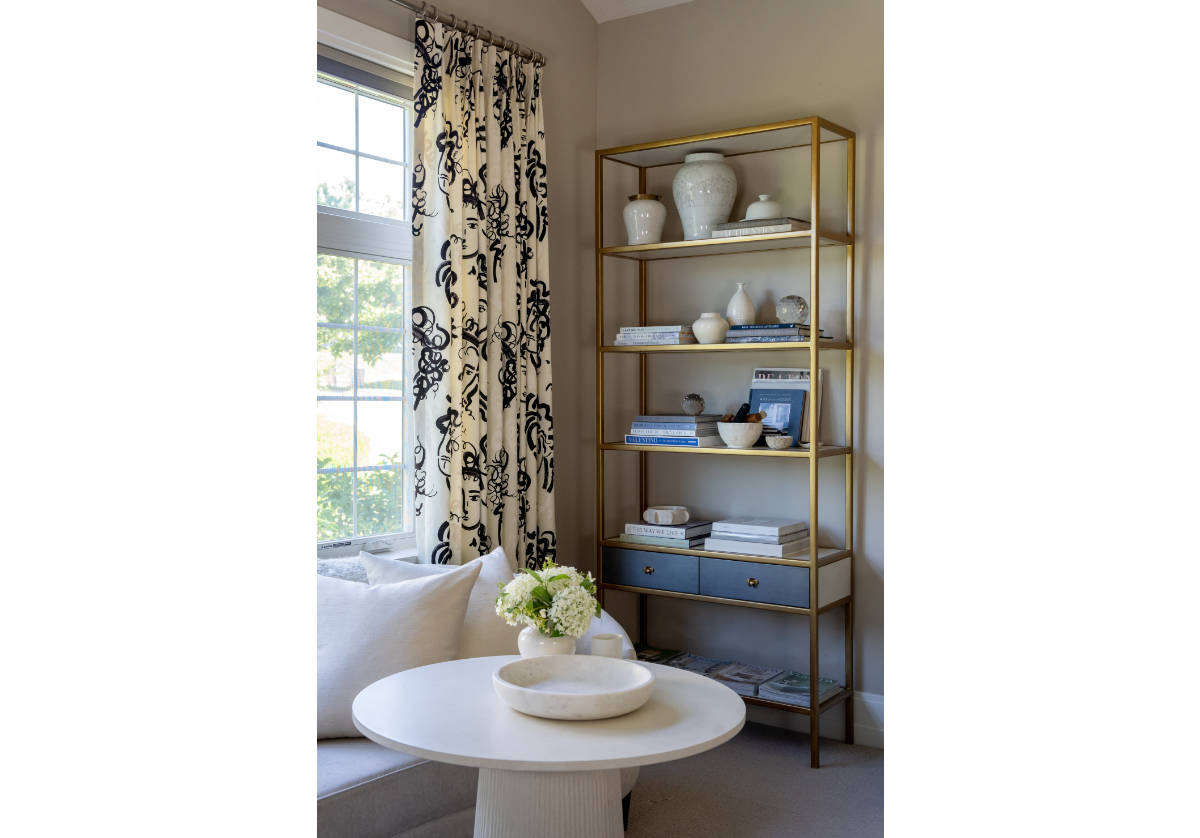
x,y
808,132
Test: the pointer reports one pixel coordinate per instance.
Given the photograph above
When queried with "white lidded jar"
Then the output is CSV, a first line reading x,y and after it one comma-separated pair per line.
x,y
644,216
704,188
764,207
740,311
710,328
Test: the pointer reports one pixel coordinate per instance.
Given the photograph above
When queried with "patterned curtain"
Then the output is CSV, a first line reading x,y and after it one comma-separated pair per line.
x,y
483,429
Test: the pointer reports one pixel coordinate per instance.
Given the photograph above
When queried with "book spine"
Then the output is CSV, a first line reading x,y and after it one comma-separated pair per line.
x,y
691,442
625,330
701,419
776,551
771,532
654,541
755,327
660,531
767,339
764,230
677,432
674,426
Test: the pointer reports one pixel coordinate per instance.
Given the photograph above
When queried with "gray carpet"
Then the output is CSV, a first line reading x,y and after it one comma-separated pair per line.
x,y
759,784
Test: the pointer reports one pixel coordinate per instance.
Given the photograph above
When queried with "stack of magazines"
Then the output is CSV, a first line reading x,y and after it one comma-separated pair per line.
x,y
780,685
654,336
769,333
773,537
793,688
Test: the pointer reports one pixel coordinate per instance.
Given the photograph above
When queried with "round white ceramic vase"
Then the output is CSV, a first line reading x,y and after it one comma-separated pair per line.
x,y
764,207
532,644
740,311
704,188
644,216
710,328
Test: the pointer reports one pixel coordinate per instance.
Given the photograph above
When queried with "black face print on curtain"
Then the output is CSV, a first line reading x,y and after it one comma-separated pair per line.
x,y
483,419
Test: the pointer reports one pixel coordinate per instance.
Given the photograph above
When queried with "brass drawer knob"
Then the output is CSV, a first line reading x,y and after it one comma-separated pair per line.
x,y
647,570
752,582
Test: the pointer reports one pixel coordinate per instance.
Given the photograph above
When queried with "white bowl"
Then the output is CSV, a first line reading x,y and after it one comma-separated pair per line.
x,y
666,515
573,686
740,434
776,441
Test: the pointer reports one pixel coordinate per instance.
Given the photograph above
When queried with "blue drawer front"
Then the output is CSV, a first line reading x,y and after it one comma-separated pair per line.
x,y
777,584
643,569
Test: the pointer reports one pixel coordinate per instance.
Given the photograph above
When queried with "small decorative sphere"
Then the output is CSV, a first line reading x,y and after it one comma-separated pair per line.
x,y
693,404
792,309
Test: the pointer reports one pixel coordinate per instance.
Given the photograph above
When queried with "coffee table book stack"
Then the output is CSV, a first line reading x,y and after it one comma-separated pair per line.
x,y
675,430
810,577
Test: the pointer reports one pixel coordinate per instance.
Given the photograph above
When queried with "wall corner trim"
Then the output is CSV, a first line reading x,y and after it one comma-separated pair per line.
x,y
868,719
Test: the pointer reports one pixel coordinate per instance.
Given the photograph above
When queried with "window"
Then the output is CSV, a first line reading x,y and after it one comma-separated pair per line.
x,y
364,256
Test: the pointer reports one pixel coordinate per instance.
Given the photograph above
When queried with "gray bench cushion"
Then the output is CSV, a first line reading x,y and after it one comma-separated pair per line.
x,y
367,791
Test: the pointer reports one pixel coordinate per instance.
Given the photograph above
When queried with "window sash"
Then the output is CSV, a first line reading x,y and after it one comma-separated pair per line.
x,y
374,238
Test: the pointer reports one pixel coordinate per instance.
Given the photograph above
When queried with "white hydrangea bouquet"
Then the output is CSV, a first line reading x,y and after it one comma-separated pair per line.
x,y
555,601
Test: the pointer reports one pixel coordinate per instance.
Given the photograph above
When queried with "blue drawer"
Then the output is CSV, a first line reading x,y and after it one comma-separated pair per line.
x,y
643,569
754,582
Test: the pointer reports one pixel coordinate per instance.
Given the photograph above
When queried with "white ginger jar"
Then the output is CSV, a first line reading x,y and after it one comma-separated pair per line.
x,y
704,188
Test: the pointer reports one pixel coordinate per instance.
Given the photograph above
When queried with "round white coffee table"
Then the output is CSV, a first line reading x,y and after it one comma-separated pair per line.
x,y
542,777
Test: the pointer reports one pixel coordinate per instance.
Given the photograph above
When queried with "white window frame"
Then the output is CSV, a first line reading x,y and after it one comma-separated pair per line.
x,y
361,236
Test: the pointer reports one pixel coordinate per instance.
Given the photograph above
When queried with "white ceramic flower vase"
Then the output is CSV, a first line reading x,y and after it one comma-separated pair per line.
x,y
533,644
740,311
644,216
710,328
704,188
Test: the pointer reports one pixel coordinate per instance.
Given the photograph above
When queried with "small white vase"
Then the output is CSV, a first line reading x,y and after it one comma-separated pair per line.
x,y
740,311
764,207
533,644
710,328
644,216
704,188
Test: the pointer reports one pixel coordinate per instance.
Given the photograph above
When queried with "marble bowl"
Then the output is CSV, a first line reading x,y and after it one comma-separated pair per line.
x,y
740,434
573,686
777,441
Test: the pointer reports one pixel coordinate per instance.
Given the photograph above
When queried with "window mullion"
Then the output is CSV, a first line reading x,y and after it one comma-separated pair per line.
x,y
354,392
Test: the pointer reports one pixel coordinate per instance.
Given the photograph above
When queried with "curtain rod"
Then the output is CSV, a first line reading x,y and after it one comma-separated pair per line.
x,y
430,12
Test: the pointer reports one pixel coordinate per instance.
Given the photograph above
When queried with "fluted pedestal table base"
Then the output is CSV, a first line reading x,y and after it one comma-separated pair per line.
x,y
519,804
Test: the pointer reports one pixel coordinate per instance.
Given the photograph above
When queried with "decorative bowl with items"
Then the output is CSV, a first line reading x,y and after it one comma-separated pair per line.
x,y
741,429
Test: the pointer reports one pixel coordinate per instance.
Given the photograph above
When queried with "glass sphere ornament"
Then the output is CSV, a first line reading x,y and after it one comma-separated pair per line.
x,y
792,309
693,404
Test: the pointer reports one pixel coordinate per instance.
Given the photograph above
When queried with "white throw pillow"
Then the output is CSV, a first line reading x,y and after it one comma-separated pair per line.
x,y
484,631
367,632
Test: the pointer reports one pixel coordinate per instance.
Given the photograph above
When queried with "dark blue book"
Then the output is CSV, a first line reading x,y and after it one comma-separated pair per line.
x,y
784,409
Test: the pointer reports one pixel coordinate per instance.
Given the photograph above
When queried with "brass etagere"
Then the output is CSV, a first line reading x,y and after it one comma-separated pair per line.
x,y
811,132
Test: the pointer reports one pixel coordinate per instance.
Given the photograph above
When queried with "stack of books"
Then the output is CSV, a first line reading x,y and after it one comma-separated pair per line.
x,y
675,431
793,688
779,538
683,536
743,678
759,227
654,336
769,333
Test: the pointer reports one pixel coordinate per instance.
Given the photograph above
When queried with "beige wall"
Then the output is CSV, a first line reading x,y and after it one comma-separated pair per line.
x,y
713,64
566,33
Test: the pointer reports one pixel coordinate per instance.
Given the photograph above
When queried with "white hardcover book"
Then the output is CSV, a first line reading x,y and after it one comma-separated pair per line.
x,y
757,525
761,230
761,539
778,551
692,529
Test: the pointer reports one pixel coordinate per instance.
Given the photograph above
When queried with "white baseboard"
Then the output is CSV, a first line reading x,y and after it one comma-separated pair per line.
x,y
868,719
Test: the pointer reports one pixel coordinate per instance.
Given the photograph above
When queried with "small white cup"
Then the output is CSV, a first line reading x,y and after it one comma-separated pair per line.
x,y
606,645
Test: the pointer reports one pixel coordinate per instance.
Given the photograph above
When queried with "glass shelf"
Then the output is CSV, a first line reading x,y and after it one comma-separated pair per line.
x,y
717,247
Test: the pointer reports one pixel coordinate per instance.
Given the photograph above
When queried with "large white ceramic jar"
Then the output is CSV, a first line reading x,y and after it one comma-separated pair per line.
x,y
710,328
644,216
704,188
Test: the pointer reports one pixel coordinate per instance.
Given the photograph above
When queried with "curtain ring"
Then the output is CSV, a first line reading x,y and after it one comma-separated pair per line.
x,y
432,13
453,21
